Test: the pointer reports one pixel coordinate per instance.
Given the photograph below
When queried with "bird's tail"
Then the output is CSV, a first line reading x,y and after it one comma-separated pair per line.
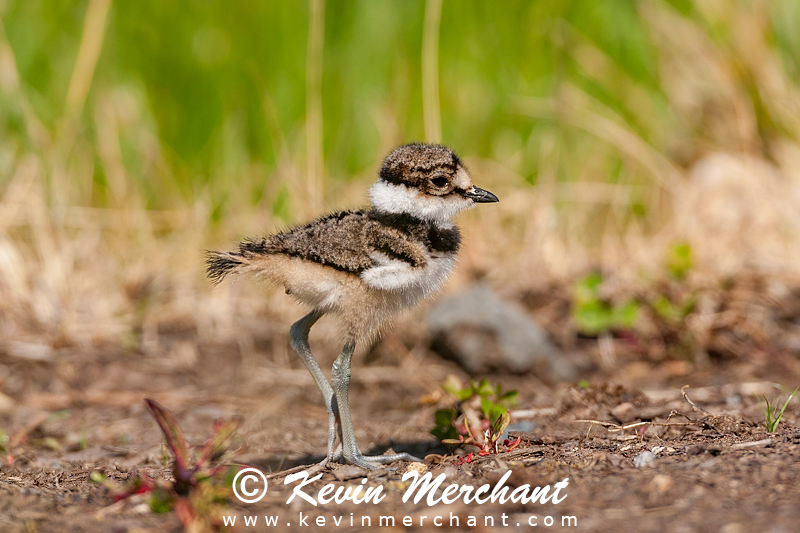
x,y
220,264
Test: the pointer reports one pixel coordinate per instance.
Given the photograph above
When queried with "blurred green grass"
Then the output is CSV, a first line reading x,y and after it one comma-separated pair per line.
x,y
222,84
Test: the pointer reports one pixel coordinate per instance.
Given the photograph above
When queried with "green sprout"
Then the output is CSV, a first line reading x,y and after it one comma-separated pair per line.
x,y
772,416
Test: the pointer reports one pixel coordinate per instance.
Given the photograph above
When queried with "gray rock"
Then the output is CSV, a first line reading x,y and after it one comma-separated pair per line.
x,y
483,333
644,458
523,426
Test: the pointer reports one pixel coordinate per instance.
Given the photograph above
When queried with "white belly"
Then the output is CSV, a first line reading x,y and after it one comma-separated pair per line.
x,y
405,284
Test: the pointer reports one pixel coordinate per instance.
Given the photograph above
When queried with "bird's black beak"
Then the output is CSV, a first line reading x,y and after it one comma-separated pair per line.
x,y
480,196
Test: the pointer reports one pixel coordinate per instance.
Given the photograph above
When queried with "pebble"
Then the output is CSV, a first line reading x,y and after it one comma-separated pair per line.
x,y
644,458
523,426
661,483
417,467
348,472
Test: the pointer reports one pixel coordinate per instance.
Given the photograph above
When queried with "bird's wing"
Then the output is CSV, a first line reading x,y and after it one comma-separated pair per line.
x,y
385,256
398,259
335,240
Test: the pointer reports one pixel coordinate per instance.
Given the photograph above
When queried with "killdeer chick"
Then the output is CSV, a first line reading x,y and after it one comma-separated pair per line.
x,y
365,265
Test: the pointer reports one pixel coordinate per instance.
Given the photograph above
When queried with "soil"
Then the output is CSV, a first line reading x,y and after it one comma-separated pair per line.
x,y
713,466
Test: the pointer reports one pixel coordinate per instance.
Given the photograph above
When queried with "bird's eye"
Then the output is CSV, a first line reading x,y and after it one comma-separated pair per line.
x,y
439,182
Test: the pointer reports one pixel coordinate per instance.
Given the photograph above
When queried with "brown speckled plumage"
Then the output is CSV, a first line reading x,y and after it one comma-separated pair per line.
x,y
412,164
345,241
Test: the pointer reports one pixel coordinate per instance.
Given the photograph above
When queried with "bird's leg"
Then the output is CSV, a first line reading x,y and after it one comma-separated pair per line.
x,y
298,338
340,378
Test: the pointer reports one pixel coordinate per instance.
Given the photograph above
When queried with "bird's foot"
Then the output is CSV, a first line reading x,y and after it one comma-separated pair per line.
x,y
372,462
335,456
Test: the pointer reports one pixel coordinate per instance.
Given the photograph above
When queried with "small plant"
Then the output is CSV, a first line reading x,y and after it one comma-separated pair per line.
x,y
593,314
480,416
199,486
679,260
652,318
772,416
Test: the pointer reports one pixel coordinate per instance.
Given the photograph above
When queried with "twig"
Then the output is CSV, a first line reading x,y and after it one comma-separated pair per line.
x,y
612,427
694,405
751,444
312,469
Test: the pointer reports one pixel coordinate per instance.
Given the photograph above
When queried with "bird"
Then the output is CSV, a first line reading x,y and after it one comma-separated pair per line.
x,y
363,266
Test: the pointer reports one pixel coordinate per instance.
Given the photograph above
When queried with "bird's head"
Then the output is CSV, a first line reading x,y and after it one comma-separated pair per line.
x,y
427,181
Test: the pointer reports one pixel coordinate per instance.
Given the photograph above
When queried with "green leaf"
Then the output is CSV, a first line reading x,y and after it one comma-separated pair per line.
x,y
585,291
464,394
445,417
680,260
500,425
485,388
450,434
668,312
452,386
590,284
444,425
593,317
486,407
509,398
625,315
161,501
496,412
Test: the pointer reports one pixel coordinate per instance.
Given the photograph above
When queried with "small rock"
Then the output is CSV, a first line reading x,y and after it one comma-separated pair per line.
x,y
481,333
523,426
661,483
658,449
711,449
349,472
624,412
733,399
417,467
644,458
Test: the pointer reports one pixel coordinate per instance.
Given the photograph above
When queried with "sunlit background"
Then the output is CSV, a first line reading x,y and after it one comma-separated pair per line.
x,y
136,135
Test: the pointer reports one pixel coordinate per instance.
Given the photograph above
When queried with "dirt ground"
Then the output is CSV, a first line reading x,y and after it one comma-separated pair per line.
x,y
81,409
